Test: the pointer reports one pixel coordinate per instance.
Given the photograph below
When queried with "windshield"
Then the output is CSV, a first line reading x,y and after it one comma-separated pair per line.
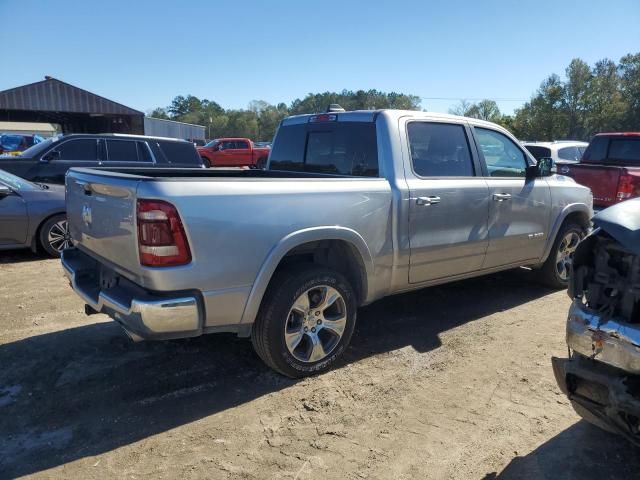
x,y
16,183
39,147
212,143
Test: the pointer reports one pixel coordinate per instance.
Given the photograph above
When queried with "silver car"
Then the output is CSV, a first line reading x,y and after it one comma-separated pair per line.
x,y
354,206
32,215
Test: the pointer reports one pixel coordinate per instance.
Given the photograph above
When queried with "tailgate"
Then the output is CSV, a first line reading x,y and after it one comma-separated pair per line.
x,y
102,217
601,179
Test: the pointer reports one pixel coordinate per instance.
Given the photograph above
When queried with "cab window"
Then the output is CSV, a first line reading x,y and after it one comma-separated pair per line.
x,y
501,155
439,150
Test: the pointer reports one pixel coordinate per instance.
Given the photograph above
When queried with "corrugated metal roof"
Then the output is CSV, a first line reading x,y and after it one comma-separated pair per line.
x,y
54,95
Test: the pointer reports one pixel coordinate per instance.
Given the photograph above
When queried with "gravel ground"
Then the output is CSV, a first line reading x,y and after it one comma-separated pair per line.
x,y
448,382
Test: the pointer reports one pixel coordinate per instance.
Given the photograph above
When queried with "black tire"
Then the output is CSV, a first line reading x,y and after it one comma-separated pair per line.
x,y
206,162
277,314
55,227
549,274
261,164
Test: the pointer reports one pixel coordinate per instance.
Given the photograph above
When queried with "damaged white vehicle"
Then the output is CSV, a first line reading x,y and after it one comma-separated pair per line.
x,y
602,375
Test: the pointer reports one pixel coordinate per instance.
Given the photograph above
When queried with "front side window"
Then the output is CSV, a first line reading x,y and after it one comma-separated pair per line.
x,y
228,145
83,149
501,154
439,150
122,151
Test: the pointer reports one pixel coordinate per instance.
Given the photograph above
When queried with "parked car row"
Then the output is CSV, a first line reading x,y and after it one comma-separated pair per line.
x,y
352,207
14,144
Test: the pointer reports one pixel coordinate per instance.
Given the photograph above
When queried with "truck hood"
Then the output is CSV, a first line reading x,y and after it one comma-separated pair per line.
x,y
622,222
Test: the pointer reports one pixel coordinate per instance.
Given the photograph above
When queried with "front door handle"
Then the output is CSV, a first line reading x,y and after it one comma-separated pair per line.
x,y
427,200
501,197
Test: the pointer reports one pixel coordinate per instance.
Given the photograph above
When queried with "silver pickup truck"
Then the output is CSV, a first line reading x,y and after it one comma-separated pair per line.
x,y
354,206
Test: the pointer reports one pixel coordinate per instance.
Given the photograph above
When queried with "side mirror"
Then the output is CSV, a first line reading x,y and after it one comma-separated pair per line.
x,y
52,155
546,167
219,148
5,191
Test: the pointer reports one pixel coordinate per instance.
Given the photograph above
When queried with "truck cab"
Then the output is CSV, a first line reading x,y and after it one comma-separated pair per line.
x,y
233,152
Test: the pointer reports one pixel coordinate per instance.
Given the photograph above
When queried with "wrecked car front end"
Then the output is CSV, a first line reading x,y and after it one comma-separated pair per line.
x,y
601,377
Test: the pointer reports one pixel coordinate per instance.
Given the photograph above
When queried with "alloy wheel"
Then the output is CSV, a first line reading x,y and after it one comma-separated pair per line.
x,y
315,324
564,256
58,236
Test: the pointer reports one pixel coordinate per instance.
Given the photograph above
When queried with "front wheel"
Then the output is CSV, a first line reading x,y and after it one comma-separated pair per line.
x,y
556,269
206,162
54,235
306,321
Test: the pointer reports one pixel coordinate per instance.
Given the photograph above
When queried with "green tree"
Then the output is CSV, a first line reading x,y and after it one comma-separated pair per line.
x,y
629,71
485,110
576,91
607,107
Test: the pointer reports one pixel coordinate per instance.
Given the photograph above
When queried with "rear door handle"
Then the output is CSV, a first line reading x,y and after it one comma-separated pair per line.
x,y
427,200
501,197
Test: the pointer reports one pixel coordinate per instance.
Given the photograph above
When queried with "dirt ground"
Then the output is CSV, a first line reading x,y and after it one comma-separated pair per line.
x,y
448,382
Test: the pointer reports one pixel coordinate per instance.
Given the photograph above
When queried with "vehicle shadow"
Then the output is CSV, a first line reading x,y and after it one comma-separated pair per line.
x,y
580,451
19,256
84,391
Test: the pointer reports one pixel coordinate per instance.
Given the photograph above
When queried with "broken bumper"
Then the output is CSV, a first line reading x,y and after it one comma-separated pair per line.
x,y
618,342
144,315
603,395
604,390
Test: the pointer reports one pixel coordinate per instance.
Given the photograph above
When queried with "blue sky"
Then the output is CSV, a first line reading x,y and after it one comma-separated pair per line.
x,y
142,53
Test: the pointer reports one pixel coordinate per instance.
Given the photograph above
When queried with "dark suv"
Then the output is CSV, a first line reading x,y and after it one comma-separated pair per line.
x,y
48,161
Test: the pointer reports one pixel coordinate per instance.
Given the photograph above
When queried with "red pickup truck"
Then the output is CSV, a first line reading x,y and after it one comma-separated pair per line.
x,y
233,152
610,167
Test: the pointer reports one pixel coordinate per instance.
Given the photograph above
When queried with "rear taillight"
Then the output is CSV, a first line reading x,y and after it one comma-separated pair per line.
x,y
161,238
626,187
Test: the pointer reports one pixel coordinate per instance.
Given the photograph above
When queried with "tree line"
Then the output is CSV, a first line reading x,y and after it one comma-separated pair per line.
x,y
260,120
587,100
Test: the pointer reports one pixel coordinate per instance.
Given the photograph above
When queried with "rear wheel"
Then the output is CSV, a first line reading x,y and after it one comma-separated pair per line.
x,y
54,235
306,321
556,269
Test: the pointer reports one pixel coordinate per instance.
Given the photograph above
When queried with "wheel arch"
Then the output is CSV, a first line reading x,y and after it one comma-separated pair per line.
x,y
340,248
576,212
35,236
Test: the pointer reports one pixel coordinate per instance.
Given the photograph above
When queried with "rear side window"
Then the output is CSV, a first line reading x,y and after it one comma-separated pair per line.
x,y
538,152
122,151
439,150
242,145
569,153
625,149
339,148
84,149
182,153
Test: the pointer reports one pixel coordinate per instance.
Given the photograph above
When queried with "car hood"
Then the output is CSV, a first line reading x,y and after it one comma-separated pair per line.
x,y
622,222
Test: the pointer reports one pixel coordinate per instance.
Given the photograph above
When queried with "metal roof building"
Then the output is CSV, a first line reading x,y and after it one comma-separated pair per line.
x,y
74,109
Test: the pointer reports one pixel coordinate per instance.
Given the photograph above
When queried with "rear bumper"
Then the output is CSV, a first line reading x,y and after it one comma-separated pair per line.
x,y
143,314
